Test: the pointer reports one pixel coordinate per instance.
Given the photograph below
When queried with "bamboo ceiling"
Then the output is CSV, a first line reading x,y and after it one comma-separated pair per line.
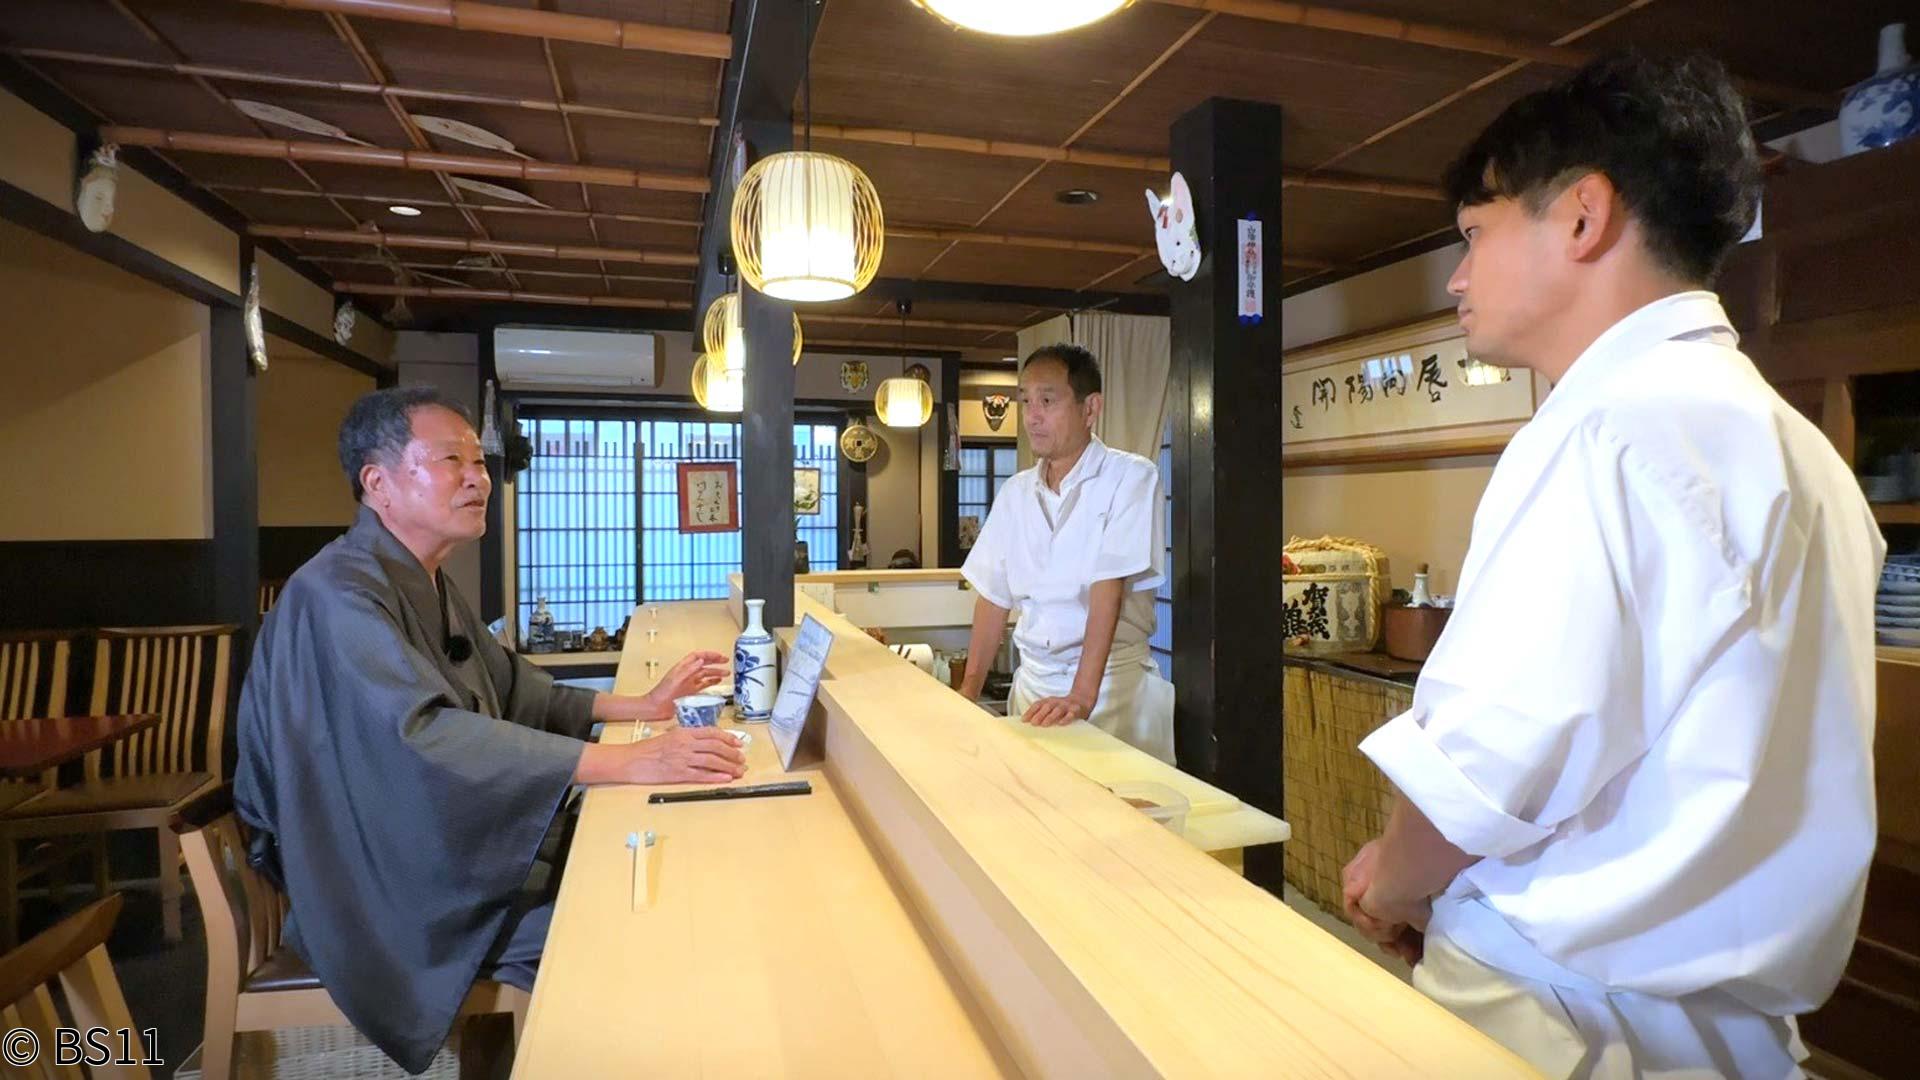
x,y
610,107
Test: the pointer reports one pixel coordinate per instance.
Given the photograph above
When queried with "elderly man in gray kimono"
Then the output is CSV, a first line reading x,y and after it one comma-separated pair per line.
x,y
400,770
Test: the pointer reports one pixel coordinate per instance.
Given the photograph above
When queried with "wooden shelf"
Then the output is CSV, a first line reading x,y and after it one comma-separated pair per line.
x,y
1897,513
1895,654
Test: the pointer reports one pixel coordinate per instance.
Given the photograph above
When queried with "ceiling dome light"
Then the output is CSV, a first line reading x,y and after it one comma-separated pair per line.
x,y
724,338
807,227
1022,18
404,211
714,389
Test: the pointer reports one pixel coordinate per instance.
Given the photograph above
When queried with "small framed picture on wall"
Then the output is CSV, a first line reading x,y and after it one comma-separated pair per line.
x,y
709,496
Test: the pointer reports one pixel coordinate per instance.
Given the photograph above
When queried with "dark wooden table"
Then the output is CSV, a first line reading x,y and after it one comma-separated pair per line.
x,y
32,746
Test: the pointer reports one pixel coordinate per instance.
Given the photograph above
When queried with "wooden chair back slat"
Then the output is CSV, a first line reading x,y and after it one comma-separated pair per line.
x,y
33,679
182,674
74,952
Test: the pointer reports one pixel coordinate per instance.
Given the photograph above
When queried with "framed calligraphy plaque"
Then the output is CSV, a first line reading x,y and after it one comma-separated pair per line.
x,y
709,496
1407,392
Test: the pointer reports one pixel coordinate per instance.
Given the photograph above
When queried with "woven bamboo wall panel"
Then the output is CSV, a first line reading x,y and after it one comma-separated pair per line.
x,y
1335,799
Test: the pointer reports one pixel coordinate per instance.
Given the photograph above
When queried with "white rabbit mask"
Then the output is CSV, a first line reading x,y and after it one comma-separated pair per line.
x,y
1175,231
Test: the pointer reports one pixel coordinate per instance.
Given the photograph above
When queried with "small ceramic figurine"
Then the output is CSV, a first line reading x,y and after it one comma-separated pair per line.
x,y
598,640
540,628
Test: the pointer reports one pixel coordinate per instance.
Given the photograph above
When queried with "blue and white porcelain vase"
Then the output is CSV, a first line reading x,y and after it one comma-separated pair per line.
x,y
1885,109
755,667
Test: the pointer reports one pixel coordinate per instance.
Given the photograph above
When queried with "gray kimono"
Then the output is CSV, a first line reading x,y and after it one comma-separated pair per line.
x,y
399,793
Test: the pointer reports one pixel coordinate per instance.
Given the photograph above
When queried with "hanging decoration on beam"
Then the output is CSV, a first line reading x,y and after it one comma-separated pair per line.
x,y
1174,230
344,317
294,121
995,407
252,321
490,442
1017,19
496,191
94,191
463,132
807,226
853,375
1251,294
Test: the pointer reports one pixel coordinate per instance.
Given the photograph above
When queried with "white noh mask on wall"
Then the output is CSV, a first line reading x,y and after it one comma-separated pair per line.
x,y
93,194
1174,230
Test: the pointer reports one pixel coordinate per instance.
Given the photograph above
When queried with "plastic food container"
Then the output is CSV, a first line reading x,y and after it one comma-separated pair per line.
x,y
1157,801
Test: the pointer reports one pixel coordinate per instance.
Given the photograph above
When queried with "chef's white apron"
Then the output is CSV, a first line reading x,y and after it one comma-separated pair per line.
x,y
1135,705
1570,1026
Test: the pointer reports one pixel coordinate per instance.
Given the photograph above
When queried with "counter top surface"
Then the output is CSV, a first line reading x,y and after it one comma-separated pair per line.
x,y
1368,667
951,900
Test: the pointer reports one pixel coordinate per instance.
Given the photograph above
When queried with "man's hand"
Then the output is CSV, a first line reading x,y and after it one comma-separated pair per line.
x,y
1057,711
685,756
695,672
1397,932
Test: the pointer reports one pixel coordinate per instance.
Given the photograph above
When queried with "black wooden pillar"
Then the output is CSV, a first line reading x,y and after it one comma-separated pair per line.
x,y
233,441
1226,462
766,448
946,415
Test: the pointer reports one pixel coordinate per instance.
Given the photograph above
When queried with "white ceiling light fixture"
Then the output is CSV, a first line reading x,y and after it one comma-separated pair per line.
x,y
906,400
723,336
404,211
1022,18
806,226
714,388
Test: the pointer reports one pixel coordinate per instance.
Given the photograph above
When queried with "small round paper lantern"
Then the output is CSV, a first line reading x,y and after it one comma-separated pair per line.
x,y
714,388
1022,18
904,402
807,227
724,337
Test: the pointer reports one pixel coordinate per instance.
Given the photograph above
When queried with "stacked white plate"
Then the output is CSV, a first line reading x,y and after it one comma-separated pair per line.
x,y
1896,610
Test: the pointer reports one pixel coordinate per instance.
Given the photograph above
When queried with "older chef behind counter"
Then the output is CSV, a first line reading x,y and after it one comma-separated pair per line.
x,y
1077,544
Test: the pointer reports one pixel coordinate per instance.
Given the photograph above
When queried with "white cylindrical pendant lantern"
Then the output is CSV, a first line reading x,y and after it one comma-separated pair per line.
x,y
715,388
723,337
807,227
904,402
1022,18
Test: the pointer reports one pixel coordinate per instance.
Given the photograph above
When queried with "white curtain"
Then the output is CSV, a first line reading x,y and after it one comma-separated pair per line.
x,y
1136,357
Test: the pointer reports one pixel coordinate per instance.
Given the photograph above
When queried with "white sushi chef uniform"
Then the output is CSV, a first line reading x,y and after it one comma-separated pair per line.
x,y
1040,552
1652,715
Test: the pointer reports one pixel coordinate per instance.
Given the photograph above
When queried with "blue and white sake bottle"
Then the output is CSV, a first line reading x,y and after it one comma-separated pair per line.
x,y
755,667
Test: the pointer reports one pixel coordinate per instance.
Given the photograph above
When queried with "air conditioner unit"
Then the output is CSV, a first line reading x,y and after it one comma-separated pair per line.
x,y
602,359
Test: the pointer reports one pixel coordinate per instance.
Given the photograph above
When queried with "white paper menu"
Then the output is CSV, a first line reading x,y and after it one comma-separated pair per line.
x,y
806,660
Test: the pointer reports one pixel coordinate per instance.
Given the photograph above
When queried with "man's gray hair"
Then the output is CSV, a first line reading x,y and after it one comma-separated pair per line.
x,y
380,425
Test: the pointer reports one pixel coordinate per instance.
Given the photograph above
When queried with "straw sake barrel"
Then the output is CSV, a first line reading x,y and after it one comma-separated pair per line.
x,y
1331,599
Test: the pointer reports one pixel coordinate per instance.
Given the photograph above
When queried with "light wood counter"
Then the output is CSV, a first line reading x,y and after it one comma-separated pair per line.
x,y
775,943
952,900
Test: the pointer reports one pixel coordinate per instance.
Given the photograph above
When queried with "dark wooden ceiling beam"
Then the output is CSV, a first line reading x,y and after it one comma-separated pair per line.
x,y
440,270
887,290
1113,103
166,45
1068,155
443,204
520,22
378,237
1342,21
364,56
407,93
416,160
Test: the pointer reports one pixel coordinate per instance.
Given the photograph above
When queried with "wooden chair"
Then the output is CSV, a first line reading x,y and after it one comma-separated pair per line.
x,y
252,983
33,682
74,953
269,594
180,673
